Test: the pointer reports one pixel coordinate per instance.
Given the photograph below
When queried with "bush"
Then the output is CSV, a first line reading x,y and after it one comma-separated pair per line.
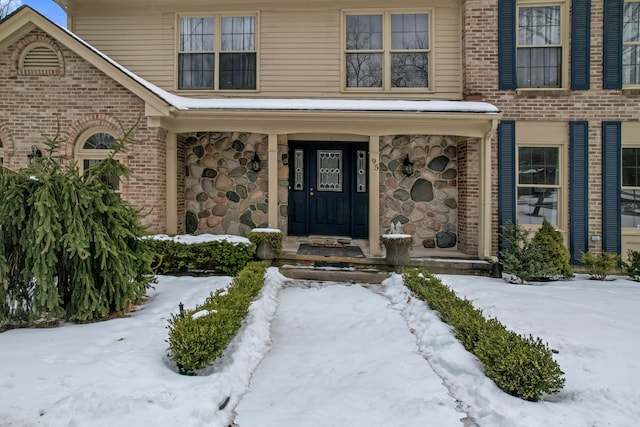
x,y
600,265
218,256
554,252
521,366
195,342
522,257
632,268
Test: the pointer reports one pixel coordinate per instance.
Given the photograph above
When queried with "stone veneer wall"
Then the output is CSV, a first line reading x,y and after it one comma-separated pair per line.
x,y
425,203
222,194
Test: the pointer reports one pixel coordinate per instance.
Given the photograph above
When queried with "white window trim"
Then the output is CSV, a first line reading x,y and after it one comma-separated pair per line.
x,y
564,40
386,51
217,47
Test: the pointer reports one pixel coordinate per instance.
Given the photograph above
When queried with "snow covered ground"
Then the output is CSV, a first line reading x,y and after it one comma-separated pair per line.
x,y
341,355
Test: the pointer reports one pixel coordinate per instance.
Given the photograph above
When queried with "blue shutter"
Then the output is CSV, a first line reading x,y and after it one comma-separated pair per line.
x,y
507,44
611,161
506,172
579,190
612,45
580,44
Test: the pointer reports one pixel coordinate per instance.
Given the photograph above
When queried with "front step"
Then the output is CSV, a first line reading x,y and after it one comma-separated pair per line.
x,y
326,272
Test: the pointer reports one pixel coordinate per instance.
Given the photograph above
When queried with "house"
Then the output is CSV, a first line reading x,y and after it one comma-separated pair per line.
x,y
341,118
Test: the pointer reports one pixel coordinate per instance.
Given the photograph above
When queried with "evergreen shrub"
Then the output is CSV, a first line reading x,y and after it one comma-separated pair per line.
x,y
632,268
600,265
521,366
554,252
70,246
217,256
523,257
195,342
273,238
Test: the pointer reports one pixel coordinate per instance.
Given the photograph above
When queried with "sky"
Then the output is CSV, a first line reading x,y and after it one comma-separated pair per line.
x,y
48,8
314,354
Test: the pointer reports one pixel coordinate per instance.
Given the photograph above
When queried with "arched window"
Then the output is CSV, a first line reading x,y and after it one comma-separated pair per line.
x,y
94,147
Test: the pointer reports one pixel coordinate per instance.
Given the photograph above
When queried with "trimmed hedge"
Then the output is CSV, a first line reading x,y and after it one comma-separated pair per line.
x,y
519,365
196,342
218,256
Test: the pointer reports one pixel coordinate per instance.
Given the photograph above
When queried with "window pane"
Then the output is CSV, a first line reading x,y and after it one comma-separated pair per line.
x,y
631,31
237,71
535,204
410,31
631,64
409,70
238,33
364,70
539,26
113,183
630,204
631,167
364,32
196,34
538,166
539,67
100,141
196,71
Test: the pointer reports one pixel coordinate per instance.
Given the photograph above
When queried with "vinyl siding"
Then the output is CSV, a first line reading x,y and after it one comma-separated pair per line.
x,y
299,46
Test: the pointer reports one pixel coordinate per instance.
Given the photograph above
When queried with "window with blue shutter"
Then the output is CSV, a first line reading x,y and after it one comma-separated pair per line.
x,y
612,45
611,181
507,44
580,44
579,190
506,172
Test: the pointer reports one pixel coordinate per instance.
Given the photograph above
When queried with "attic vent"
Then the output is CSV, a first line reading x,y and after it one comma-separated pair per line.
x,y
40,58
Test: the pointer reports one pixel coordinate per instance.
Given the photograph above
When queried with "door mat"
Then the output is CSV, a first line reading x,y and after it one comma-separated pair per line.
x,y
330,251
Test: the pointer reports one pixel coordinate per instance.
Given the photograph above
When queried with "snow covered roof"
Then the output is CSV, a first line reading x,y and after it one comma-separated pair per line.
x,y
288,104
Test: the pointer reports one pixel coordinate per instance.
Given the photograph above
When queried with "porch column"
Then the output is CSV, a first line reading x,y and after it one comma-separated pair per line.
x,y
272,166
374,195
172,183
484,224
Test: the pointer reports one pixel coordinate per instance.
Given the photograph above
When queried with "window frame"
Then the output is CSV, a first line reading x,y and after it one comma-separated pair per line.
x,y
217,50
564,43
1,153
387,50
81,154
625,44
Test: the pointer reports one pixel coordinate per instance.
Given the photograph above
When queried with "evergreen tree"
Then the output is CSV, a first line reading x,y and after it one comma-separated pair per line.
x,y
554,252
70,247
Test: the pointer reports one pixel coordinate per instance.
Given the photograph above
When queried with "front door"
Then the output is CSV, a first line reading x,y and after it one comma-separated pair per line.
x,y
328,189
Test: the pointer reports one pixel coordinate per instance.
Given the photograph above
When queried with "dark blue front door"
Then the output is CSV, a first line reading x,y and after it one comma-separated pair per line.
x,y
328,189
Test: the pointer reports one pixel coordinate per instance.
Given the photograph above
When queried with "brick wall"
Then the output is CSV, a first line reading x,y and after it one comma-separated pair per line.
x,y
78,97
480,35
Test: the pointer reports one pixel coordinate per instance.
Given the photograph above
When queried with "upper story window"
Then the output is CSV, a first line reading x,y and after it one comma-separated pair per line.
x,y
631,40
217,53
387,50
539,47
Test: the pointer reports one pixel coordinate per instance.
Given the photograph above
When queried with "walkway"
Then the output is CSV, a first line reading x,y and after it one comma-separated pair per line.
x,y
340,357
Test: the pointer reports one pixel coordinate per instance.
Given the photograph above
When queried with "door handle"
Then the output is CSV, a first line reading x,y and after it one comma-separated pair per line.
x,y
311,191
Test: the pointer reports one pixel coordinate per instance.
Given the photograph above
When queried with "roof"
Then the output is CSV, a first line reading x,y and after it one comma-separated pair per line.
x,y
143,88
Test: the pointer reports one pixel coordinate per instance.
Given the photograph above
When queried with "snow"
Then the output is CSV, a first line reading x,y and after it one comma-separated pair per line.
x,y
330,354
266,230
396,236
188,239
